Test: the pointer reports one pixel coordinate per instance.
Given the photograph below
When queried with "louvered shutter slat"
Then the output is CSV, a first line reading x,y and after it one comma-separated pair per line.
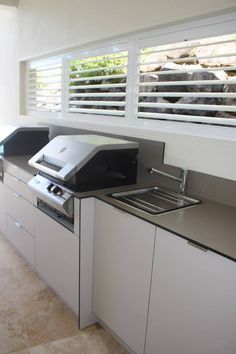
x,y
190,70
104,77
188,94
97,111
186,106
99,94
110,68
189,59
98,103
189,83
191,45
183,118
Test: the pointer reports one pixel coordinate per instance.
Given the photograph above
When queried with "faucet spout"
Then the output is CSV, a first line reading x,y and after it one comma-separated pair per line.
x,y
182,179
182,185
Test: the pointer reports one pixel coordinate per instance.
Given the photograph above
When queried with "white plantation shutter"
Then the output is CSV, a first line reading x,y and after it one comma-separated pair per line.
x,y
149,76
97,85
193,81
44,85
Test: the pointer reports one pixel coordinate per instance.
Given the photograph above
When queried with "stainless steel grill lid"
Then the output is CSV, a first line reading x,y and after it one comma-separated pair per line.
x,y
65,155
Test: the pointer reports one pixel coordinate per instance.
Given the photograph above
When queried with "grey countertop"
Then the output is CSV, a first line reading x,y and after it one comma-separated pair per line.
x,y
209,224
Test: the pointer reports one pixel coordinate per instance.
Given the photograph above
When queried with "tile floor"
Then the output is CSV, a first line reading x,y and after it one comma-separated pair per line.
x,y
33,320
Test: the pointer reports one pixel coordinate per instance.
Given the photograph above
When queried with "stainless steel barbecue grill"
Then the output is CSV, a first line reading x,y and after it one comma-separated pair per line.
x,y
78,163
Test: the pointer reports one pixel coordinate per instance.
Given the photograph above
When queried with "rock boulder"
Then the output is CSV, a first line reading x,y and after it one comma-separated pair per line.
x,y
201,76
196,100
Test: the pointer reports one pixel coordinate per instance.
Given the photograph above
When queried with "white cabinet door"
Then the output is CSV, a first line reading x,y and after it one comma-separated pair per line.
x,y
192,304
3,214
57,258
123,254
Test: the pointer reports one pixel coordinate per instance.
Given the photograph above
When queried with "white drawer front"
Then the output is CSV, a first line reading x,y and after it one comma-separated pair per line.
x,y
21,239
19,186
17,171
20,210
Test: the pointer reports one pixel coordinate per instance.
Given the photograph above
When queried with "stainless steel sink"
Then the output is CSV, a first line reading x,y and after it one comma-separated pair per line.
x,y
155,200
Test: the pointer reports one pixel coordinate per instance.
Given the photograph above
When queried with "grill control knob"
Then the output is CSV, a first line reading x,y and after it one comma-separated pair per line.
x,y
57,190
60,192
50,186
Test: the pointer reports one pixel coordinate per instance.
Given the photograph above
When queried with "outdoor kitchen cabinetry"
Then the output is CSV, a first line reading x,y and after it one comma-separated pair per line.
x,y
57,258
123,253
192,303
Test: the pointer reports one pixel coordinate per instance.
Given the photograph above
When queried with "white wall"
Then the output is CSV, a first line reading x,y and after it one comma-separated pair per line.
x,y
8,65
46,26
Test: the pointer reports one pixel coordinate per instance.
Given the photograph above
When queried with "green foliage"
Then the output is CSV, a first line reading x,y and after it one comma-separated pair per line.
x,y
99,66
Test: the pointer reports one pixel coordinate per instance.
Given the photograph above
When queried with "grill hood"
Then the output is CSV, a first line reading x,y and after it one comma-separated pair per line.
x,y
65,155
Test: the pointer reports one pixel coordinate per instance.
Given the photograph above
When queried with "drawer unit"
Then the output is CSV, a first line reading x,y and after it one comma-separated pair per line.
x,y
21,239
17,171
20,209
18,185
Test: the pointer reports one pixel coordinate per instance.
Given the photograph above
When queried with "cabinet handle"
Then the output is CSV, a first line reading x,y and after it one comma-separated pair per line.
x,y
16,179
17,195
18,225
197,246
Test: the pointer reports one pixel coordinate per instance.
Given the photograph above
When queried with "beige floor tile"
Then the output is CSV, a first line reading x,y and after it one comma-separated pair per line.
x,y
48,319
62,346
33,320
9,295
97,340
24,351
6,257
18,262
13,335
28,283
89,341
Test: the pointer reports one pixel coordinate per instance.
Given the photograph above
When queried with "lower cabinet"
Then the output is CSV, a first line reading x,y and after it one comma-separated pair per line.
x,y
57,258
192,304
123,254
3,214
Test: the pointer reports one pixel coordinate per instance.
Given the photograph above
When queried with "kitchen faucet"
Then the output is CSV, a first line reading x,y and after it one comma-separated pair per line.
x,y
182,179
